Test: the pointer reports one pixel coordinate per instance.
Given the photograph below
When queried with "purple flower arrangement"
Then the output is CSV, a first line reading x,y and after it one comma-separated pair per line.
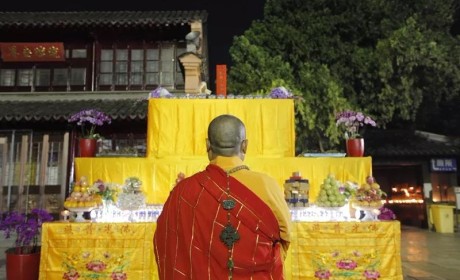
x,y
386,214
281,92
159,92
352,122
88,120
26,227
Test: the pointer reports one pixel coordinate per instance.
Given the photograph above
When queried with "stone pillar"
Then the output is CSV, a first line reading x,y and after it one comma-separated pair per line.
x,y
192,66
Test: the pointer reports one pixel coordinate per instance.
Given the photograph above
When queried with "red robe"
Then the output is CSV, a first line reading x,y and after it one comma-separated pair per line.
x,y
187,239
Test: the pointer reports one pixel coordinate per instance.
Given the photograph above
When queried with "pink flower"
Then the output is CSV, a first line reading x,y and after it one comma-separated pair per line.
x,y
357,253
346,264
322,274
71,275
371,274
119,276
96,266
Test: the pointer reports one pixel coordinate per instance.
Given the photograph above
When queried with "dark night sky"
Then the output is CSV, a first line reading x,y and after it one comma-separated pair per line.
x,y
226,19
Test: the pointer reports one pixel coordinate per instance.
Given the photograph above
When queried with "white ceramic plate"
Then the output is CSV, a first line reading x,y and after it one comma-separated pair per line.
x,y
324,154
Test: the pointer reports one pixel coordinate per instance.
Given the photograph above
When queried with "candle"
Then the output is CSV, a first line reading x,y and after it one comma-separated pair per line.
x,y
65,214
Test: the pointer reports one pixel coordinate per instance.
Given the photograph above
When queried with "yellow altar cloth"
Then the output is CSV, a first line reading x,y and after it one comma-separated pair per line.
x,y
178,127
158,175
347,250
96,250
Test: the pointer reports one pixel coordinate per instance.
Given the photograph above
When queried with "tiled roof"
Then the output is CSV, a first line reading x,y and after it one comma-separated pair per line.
x,y
60,110
407,143
99,18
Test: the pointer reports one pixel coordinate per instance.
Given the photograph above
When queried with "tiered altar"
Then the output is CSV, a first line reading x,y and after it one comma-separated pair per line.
x,y
177,129
176,135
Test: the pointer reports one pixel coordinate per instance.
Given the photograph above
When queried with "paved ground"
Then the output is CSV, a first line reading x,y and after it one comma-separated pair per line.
x,y
425,255
429,255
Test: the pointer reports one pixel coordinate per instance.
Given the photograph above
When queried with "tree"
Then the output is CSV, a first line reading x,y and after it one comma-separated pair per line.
x,y
248,79
388,58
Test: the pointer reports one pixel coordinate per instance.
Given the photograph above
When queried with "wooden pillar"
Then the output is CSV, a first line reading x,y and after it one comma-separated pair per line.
x,y
43,169
221,79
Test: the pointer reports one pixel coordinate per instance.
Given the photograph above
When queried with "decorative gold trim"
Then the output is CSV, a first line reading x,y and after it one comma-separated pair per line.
x,y
229,235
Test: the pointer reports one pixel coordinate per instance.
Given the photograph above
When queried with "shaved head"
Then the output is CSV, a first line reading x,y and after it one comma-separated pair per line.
x,y
226,136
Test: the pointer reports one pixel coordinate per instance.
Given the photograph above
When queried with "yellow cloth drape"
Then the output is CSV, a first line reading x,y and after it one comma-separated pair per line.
x,y
346,249
178,127
158,175
97,250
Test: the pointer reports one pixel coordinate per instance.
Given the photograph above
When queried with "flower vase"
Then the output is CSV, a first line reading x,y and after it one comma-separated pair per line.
x,y
24,266
355,147
88,147
370,215
107,207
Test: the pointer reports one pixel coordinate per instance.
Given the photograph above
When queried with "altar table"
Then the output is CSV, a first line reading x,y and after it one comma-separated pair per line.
x,y
158,175
345,250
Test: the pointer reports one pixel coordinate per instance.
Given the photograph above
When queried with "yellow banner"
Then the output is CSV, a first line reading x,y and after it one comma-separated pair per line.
x,y
178,127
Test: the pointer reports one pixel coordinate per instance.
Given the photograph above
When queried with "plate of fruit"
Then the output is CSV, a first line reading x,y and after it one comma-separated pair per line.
x,y
80,201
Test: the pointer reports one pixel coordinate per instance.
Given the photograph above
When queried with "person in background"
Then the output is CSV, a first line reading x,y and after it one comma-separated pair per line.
x,y
225,222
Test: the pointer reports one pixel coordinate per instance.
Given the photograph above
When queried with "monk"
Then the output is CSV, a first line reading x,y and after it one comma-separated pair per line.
x,y
225,222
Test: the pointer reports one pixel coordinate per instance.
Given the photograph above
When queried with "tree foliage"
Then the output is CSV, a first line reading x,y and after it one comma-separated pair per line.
x,y
395,60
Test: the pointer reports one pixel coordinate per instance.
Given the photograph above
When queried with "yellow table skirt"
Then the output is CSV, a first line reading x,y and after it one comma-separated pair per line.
x,y
345,250
158,175
97,250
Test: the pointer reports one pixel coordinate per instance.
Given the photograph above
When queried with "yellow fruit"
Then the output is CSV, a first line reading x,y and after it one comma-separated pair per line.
x,y
71,204
77,189
75,194
375,186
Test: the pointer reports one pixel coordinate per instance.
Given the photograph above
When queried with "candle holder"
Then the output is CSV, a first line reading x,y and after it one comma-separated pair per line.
x,y
65,215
